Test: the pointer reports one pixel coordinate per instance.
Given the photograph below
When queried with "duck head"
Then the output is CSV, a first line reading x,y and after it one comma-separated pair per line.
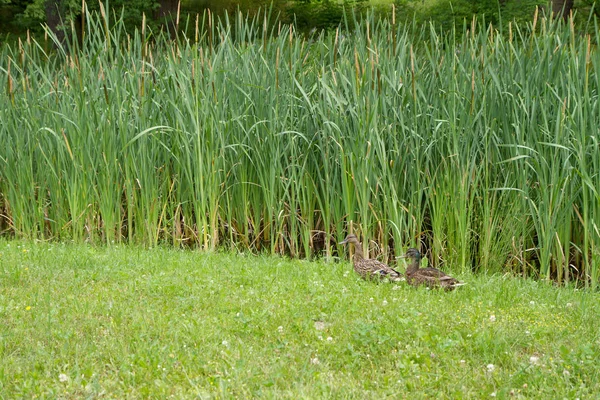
x,y
415,256
412,253
350,239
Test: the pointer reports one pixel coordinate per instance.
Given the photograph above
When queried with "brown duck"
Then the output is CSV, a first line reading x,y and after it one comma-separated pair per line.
x,y
370,268
431,277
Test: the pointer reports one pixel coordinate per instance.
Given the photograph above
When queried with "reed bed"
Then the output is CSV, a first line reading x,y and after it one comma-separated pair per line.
x,y
480,146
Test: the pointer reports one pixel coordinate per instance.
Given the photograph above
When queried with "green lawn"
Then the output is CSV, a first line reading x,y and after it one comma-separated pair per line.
x,y
125,322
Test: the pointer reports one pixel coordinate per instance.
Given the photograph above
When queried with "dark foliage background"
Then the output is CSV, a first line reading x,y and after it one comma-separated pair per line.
x,y
18,16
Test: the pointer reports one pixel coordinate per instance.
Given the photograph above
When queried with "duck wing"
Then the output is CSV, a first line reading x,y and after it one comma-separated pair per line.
x,y
431,272
388,272
382,270
433,277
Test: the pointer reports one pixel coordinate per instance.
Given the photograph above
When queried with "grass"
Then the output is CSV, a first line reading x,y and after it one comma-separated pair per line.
x,y
127,322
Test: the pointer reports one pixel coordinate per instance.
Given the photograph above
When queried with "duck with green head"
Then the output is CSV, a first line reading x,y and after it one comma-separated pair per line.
x,y
431,277
370,268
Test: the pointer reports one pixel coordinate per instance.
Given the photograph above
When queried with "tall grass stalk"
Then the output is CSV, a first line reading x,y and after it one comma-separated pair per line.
x,y
479,148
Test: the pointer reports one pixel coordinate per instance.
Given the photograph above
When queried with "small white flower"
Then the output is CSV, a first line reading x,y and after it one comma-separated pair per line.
x,y
469,335
346,274
462,361
493,394
280,329
329,339
491,367
371,300
532,303
63,378
527,332
384,302
492,318
315,361
569,304
225,343
396,287
566,373
534,360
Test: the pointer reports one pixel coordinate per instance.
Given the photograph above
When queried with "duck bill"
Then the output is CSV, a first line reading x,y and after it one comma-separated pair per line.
x,y
343,242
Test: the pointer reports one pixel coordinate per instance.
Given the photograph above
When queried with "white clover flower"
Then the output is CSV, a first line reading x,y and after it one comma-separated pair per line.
x,y
329,339
384,302
490,367
492,318
534,360
225,343
532,303
315,361
371,300
280,329
63,378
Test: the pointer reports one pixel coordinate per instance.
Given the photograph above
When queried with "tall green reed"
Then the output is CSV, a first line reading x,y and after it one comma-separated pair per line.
x,y
481,149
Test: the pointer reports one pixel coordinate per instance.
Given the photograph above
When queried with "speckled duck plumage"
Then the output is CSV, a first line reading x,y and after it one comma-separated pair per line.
x,y
431,277
370,268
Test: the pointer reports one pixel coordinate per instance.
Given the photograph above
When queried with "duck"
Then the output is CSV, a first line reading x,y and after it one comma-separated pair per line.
x,y
370,268
430,277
